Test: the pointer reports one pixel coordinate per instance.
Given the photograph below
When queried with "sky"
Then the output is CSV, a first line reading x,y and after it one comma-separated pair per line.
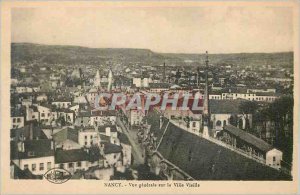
x,y
164,29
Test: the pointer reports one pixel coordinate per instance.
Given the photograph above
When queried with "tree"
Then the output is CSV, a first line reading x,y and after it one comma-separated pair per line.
x,y
233,119
248,107
281,113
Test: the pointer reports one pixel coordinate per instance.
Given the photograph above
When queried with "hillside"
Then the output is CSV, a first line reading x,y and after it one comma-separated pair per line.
x,y
52,54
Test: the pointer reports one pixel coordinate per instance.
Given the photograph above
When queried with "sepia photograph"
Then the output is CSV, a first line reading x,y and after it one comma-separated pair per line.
x,y
149,93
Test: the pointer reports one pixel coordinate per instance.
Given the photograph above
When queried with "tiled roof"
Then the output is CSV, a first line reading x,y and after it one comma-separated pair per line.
x,y
204,160
65,156
249,138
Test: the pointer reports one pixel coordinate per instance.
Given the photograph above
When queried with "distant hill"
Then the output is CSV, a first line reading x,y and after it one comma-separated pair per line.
x,y
52,54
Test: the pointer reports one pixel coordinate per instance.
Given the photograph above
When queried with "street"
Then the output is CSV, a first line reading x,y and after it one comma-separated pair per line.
x,y
137,150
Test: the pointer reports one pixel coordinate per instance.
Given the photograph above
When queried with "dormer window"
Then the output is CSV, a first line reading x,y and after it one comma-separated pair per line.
x,y
31,153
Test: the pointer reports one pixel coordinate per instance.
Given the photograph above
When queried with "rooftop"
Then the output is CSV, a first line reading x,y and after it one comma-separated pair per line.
x,y
249,138
204,160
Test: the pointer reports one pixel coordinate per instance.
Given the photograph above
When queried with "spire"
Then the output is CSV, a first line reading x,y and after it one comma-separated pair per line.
x,y
206,117
206,92
110,80
97,80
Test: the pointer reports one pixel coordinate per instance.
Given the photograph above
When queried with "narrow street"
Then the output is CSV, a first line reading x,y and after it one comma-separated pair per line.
x,y
137,150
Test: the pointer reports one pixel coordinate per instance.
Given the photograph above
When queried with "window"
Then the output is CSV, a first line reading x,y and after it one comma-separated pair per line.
x,y
218,123
78,164
85,137
61,166
70,165
18,120
91,137
33,167
194,124
14,120
85,143
43,114
25,166
274,158
224,122
48,165
33,116
41,166
115,156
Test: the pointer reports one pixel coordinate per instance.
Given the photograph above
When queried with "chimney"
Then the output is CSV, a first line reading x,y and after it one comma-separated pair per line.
x,y
52,145
107,131
21,147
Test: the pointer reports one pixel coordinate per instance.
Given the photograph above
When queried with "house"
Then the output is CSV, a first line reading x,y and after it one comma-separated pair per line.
x,y
72,160
32,113
100,118
110,131
45,113
252,145
66,139
17,118
88,137
112,154
83,119
62,102
35,155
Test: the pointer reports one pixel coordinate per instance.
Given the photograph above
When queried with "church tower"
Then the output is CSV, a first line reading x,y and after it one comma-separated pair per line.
x,y
97,80
206,114
110,80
